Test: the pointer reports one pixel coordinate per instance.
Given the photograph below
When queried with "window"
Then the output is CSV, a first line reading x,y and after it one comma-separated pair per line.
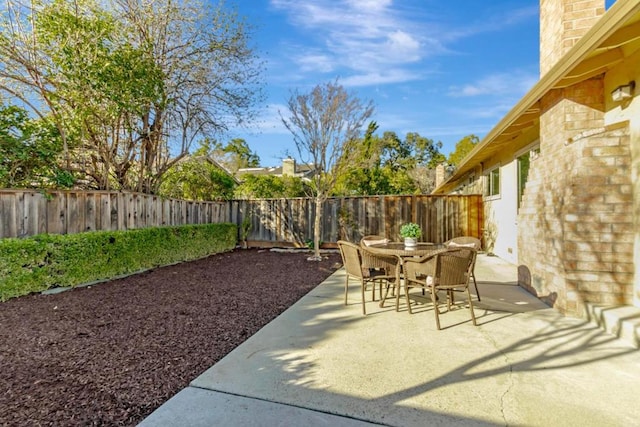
x,y
524,161
492,187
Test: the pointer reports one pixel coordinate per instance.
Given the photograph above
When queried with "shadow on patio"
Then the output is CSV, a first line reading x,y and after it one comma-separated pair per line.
x,y
523,365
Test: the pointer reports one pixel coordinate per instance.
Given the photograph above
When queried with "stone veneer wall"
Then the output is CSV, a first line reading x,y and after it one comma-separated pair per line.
x,y
576,221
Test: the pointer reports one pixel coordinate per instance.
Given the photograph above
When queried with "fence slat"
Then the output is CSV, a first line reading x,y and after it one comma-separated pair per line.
x,y
56,214
8,212
92,212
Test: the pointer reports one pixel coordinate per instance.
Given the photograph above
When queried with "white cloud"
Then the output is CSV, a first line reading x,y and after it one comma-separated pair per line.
x,y
354,35
315,62
271,122
495,20
403,45
367,37
370,4
514,84
376,78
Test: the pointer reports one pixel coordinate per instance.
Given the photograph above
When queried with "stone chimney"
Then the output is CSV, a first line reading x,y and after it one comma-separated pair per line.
x,y
562,23
288,167
439,174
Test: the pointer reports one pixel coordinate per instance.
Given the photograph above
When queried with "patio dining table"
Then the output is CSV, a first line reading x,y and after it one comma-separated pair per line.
x,y
402,252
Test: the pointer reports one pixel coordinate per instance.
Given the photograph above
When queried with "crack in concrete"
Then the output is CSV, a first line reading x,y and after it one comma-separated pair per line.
x,y
510,382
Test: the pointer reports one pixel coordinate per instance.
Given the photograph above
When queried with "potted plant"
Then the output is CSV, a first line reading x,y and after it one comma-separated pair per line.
x,y
411,232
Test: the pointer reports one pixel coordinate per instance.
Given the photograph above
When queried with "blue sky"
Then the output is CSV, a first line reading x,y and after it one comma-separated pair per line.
x,y
443,69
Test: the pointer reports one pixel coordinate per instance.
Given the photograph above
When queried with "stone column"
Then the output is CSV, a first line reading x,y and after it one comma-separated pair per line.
x,y
439,174
288,167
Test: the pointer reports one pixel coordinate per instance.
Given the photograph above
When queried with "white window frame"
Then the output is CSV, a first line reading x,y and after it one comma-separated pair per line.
x,y
489,176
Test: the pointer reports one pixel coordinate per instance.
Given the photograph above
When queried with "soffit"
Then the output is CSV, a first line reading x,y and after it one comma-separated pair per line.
x,y
614,37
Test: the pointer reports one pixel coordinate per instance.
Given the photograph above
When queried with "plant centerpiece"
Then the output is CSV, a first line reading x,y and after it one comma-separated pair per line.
x,y
411,232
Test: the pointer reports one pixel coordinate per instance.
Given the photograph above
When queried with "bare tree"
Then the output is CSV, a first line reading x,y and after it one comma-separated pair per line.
x,y
324,123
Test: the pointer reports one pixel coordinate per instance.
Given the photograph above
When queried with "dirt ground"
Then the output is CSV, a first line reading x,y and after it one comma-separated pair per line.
x,y
111,353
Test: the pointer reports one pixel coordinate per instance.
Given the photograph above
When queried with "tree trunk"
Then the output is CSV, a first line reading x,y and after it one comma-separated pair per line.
x,y
316,229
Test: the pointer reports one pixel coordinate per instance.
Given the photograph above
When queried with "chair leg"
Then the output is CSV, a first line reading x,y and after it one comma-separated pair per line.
x,y
406,294
383,298
364,309
473,316
391,285
450,299
434,298
383,295
473,276
373,294
346,288
398,296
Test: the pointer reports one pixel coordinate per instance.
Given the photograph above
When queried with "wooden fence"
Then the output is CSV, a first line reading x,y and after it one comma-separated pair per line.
x,y
27,213
287,222
274,222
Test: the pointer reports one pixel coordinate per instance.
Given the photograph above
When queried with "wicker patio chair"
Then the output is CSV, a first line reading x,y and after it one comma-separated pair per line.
x,y
377,262
469,242
447,271
352,258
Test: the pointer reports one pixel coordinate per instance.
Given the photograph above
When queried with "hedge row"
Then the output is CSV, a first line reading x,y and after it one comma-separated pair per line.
x,y
48,261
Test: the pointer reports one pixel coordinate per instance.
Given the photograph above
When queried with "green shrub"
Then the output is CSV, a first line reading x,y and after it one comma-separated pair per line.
x,y
49,260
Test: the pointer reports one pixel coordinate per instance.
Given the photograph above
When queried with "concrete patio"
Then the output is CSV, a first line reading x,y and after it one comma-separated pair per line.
x,y
322,363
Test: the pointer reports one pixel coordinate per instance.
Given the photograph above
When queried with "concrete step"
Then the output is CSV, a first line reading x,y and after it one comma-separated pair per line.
x,y
621,321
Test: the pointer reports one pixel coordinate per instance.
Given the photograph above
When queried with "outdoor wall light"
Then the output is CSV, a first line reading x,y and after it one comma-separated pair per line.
x,y
623,92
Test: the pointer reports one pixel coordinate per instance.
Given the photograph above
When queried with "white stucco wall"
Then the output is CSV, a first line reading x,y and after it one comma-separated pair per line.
x,y
502,210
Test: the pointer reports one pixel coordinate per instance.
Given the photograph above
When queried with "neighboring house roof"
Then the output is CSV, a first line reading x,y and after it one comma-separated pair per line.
x,y
304,171
212,161
615,36
268,170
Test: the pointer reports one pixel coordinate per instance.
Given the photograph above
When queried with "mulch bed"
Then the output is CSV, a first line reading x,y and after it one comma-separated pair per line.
x,y
111,353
